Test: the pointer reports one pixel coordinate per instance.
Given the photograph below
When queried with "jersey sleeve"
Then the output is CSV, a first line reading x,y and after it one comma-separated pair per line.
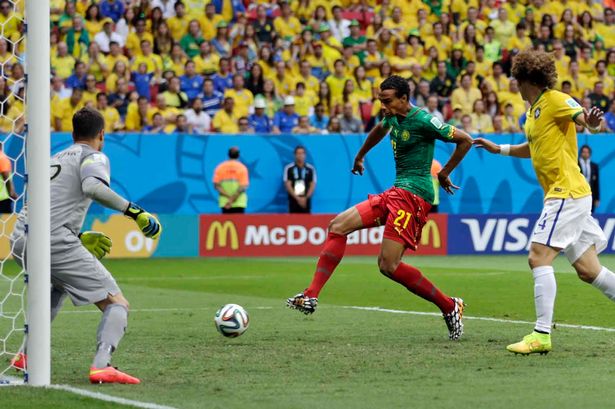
x,y
96,165
437,129
564,107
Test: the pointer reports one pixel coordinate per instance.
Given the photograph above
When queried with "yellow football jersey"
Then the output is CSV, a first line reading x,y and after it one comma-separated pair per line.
x,y
550,131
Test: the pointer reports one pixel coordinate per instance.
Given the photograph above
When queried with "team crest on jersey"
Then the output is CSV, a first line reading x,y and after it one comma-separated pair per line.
x,y
536,113
405,135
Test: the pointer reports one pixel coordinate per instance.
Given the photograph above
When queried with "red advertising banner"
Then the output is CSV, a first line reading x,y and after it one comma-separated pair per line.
x,y
298,235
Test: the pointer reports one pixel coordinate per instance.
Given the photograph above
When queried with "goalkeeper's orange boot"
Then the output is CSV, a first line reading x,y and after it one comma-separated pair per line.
x,y
19,361
111,375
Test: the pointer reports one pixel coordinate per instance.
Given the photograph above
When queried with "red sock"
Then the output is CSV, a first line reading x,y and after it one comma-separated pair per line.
x,y
330,257
411,278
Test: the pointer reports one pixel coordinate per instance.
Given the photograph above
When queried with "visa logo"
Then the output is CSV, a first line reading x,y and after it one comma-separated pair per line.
x,y
501,234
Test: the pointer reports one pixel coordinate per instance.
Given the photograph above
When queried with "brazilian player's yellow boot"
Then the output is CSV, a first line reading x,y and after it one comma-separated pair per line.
x,y
535,343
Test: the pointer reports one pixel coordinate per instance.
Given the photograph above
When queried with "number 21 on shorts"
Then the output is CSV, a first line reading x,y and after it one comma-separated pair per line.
x,y
402,219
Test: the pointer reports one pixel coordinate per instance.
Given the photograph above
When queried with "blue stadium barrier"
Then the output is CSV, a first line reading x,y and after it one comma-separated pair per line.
x,y
172,174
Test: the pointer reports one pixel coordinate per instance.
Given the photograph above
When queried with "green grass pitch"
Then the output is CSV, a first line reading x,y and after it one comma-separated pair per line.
x,y
339,357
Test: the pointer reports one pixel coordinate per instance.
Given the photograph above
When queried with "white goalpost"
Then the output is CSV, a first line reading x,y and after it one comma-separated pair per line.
x,y
38,332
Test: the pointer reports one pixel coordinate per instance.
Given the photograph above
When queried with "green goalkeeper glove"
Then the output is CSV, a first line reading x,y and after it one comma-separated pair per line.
x,y
149,225
96,243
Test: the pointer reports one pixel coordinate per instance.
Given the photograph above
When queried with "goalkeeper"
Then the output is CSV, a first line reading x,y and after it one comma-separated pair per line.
x,y
80,174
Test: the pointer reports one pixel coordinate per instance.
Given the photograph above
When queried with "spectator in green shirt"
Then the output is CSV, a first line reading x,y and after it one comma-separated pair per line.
x,y
191,42
356,40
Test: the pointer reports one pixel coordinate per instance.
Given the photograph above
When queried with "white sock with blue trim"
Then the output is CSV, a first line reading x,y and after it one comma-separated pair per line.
x,y
545,289
605,282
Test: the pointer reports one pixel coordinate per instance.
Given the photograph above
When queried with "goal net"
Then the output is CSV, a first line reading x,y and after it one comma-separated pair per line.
x,y
24,136
12,164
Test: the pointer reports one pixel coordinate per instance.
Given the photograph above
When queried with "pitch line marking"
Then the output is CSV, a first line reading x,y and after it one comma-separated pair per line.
x,y
108,398
501,320
360,308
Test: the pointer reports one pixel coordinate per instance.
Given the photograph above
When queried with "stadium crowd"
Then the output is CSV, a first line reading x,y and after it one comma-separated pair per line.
x,y
305,66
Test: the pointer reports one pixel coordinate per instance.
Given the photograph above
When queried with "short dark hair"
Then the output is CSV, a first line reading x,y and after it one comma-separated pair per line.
x,y
397,83
300,147
233,153
586,147
87,124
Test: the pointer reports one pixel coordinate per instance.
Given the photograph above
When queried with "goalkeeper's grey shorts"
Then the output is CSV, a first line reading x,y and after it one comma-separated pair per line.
x,y
74,270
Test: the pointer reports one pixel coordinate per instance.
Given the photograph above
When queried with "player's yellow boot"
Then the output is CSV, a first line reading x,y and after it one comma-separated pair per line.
x,y
535,343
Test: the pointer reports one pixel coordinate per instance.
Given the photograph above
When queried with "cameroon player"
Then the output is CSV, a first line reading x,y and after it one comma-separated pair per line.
x,y
566,223
80,174
403,208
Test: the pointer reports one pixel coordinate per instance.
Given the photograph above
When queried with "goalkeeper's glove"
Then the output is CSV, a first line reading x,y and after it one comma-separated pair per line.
x,y
149,225
96,243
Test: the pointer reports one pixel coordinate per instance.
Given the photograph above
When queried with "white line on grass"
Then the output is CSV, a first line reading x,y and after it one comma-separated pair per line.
x,y
108,398
377,309
434,314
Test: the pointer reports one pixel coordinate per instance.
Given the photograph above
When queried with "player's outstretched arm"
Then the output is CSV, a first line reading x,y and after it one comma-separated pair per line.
x,y
97,190
464,142
373,138
591,119
518,151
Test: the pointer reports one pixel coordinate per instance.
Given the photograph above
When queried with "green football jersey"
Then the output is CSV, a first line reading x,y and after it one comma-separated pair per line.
x,y
413,143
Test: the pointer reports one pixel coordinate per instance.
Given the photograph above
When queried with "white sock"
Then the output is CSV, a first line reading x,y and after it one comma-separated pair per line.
x,y
545,289
605,282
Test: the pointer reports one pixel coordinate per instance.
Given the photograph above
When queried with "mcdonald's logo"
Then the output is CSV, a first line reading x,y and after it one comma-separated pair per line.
x,y
225,231
431,229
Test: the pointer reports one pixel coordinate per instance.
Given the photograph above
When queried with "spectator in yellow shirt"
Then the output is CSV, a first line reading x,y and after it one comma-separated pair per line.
x,y
481,121
304,100
207,62
63,63
587,64
242,97
440,41
147,57
510,121
112,117
168,113
579,82
513,97
174,97
116,55
305,76
503,27
520,41
284,83
139,114
225,120
90,92
337,81
63,113
286,25
179,22
135,38
466,95
209,22
516,11
497,79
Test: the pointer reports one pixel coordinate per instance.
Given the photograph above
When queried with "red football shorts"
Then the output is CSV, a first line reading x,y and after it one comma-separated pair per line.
x,y
403,214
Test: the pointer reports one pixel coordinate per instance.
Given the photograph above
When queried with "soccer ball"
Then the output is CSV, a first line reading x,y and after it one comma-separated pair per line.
x,y
232,320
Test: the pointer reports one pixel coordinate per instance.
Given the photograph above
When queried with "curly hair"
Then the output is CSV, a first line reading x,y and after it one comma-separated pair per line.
x,y
536,67
397,83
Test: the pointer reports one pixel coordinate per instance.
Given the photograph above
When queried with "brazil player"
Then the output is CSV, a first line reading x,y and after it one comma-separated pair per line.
x,y
403,208
565,223
80,174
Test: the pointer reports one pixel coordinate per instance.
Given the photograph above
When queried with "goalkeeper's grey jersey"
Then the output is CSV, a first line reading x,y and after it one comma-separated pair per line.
x,y
69,168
